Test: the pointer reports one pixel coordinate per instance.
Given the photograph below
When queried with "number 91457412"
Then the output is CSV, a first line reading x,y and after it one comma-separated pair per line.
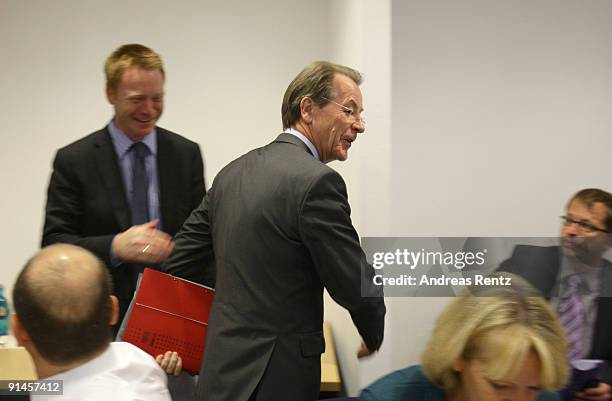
x,y
40,387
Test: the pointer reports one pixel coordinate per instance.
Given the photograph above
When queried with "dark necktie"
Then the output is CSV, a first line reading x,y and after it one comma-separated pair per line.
x,y
140,185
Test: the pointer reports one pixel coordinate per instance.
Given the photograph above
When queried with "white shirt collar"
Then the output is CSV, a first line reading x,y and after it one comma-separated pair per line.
x,y
302,137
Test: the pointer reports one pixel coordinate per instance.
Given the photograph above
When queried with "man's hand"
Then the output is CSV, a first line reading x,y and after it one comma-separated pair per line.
x,y
363,351
142,244
599,393
170,362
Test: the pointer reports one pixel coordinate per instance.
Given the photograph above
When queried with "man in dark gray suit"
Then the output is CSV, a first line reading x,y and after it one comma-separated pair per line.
x,y
586,234
277,225
95,198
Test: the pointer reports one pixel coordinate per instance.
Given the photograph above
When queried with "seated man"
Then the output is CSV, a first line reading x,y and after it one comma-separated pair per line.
x,y
577,279
492,343
64,312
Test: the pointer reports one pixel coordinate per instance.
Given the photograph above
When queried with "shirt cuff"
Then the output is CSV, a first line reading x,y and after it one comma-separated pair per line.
x,y
115,262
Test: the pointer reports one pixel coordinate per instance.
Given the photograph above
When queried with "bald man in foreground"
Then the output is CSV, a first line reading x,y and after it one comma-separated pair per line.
x,y
64,312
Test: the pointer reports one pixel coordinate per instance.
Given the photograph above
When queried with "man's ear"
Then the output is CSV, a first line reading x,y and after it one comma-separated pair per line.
x,y
110,95
114,315
307,106
19,331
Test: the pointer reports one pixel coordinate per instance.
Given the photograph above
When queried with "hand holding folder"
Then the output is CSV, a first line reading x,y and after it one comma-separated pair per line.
x,y
170,314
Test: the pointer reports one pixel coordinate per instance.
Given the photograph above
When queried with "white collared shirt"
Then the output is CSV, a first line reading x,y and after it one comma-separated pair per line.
x,y
121,373
311,147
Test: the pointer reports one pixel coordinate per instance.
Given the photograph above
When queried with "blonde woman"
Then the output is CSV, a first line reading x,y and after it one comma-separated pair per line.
x,y
495,343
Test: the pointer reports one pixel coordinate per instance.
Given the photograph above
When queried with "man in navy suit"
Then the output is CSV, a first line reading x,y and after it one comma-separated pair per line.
x,y
123,191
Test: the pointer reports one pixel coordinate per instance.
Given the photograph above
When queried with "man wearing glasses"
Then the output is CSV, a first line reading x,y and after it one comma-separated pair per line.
x,y
577,279
277,225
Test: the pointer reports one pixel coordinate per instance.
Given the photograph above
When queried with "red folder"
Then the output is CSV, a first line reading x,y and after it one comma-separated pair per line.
x,y
170,314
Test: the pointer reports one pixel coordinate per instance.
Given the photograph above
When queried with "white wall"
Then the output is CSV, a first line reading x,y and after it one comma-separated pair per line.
x,y
500,111
483,116
228,64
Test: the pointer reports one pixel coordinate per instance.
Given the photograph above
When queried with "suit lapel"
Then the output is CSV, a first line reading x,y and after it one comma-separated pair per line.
x,y
551,265
108,168
168,185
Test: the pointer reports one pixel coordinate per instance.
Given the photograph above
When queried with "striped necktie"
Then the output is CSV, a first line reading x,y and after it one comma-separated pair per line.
x,y
571,314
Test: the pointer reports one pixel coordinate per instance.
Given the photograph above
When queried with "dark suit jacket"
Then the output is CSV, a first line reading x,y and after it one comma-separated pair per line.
x,y
540,266
277,223
87,204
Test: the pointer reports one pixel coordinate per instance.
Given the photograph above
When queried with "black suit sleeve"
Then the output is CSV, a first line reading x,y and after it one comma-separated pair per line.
x,y
197,178
507,266
64,211
327,231
193,255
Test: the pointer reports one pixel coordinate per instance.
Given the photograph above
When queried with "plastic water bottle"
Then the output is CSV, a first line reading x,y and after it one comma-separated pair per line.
x,y
4,313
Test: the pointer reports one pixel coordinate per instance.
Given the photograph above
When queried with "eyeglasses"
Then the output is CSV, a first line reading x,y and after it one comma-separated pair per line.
x,y
583,226
348,111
